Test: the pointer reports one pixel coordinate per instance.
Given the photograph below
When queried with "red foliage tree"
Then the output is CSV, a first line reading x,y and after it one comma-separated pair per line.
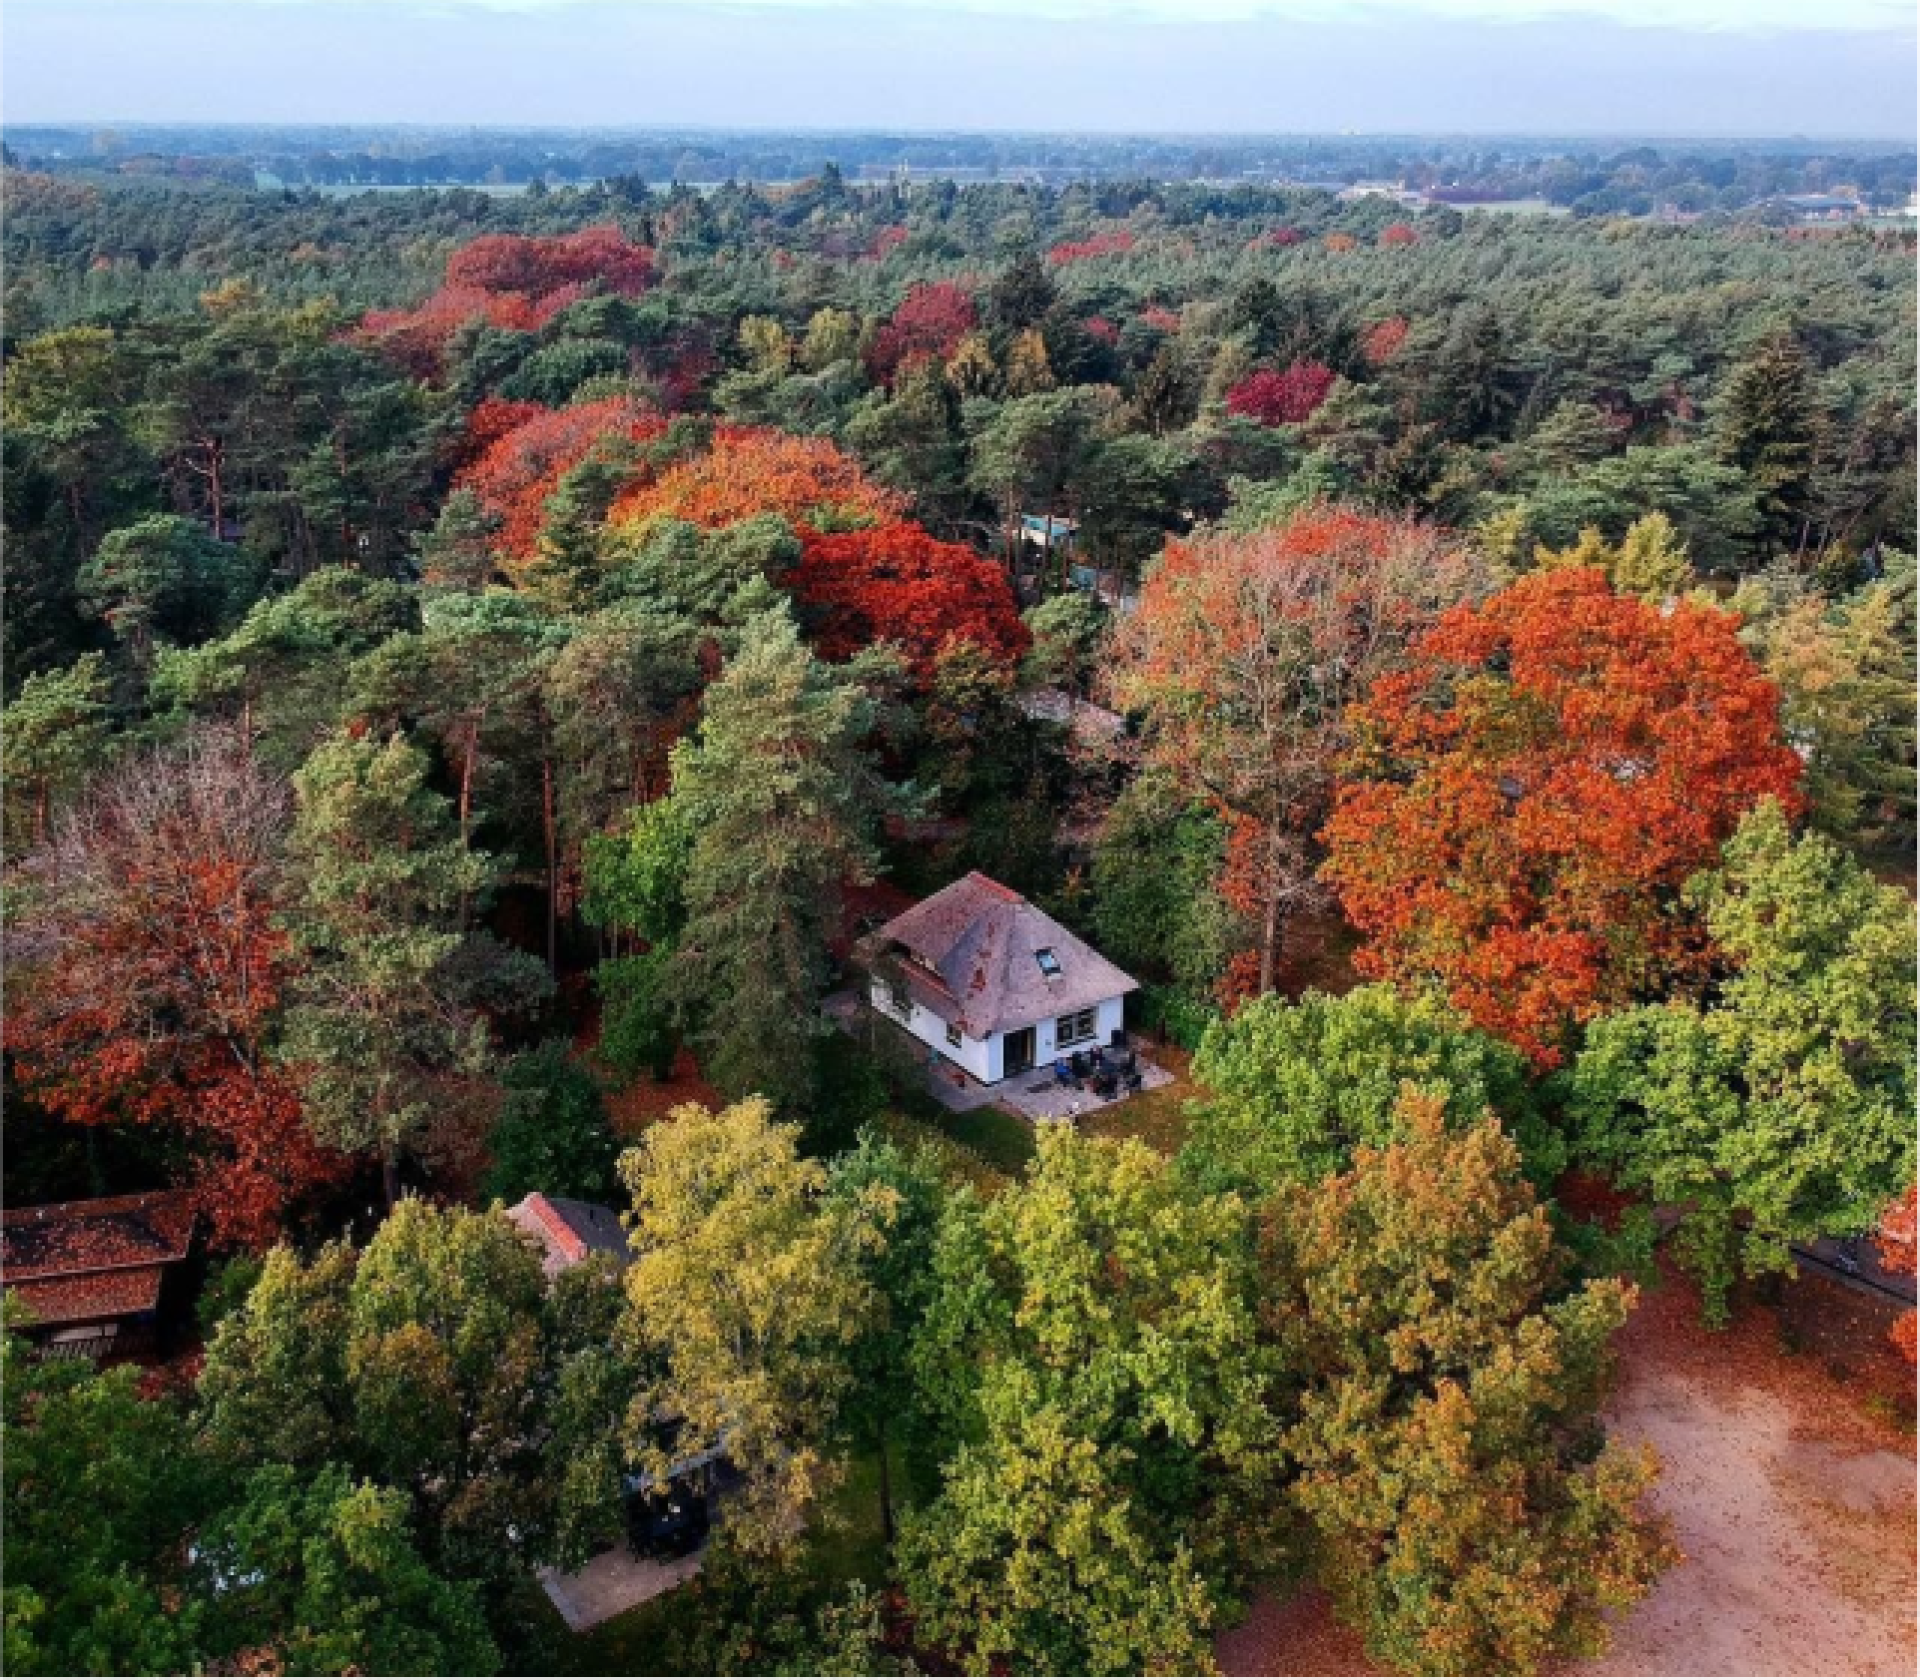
x,y
529,448
147,970
896,583
1529,795
1099,327
1282,399
513,282
928,326
1160,319
1243,657
537,268
1383,340
1283,237
750,470
1398,234
1098,245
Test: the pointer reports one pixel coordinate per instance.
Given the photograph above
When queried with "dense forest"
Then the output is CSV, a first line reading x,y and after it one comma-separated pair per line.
x,y
466,654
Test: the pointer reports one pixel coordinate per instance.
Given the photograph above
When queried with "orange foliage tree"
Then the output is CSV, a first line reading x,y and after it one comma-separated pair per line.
x,y
528,449
514,282
148,968
1528,796
1896,1241
1243,658
749,470
896,583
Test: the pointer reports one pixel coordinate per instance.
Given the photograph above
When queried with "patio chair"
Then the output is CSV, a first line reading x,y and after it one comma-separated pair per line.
x,y
1063,1072
1085,1065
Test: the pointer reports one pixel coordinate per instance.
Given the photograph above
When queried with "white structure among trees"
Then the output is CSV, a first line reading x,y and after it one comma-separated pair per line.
x,y
991,983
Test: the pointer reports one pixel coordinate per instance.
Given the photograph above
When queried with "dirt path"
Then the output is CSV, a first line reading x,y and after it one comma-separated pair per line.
x,y
1792,1502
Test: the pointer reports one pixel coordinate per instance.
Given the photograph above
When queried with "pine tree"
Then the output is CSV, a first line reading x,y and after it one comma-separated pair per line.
x,y
780,797
1769,427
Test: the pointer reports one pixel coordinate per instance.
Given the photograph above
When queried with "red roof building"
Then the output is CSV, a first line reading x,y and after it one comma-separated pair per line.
x,y
568,1231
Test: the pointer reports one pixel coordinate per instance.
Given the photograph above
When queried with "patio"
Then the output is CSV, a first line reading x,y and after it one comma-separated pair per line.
x,y
1033,1095
1038,1095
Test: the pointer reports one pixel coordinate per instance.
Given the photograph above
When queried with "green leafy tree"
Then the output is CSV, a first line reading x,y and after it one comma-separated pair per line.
x,y
1032,450
1846,702
54,735
163,578
461,551
746,1301
1091,1349
900,1194
101,1490
1156,905
1294,1088
282,672
1460,1503
636,891
1779,1109
552,1133
319,1575
423,1363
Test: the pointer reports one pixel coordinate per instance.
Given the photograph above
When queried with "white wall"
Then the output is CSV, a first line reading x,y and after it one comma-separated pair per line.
x,y
980,1057
1112,1014
985,1059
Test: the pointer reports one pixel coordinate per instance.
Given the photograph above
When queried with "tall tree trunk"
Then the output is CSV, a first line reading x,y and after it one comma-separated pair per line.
x,y
1270,941
553,865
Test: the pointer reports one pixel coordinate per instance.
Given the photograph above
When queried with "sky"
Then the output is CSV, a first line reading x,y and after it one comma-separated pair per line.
x,y
1669,68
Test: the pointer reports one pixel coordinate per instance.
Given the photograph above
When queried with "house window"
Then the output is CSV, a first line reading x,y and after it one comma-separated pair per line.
x,y
1049,963
1073,1029
953,1035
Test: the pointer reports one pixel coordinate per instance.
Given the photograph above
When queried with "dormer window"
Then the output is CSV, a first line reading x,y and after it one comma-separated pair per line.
x,y
1049,963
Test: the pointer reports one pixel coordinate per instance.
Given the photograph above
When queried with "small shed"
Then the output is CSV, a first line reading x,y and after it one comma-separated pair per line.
x,y
569,1232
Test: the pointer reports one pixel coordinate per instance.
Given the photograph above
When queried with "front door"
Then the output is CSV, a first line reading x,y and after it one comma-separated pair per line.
x,y
1019,1056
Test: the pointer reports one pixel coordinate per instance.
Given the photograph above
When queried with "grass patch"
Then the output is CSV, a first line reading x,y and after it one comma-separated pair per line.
x,y
1004,1141
1157,1118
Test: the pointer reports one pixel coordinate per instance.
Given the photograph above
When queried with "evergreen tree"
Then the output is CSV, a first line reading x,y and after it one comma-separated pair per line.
x,y
780,796
1768,425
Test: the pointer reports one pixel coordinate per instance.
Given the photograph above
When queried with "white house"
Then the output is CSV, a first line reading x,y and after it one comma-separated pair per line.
x,y
994,985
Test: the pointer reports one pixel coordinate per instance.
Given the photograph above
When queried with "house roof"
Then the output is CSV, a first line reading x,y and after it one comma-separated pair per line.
x,y
980,956
569,1231
74,1262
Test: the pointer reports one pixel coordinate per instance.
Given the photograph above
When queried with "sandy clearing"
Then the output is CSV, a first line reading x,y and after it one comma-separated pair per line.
x,y
1793,1504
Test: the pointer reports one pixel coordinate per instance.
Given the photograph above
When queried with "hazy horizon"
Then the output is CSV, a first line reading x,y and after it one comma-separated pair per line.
x,y
1687,70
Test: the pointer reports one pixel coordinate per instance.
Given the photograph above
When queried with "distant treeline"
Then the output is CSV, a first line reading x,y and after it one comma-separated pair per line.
x,y
1604,177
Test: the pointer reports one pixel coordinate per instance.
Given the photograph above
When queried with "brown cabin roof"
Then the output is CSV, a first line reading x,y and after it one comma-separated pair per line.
x,y
972,957
76,1262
